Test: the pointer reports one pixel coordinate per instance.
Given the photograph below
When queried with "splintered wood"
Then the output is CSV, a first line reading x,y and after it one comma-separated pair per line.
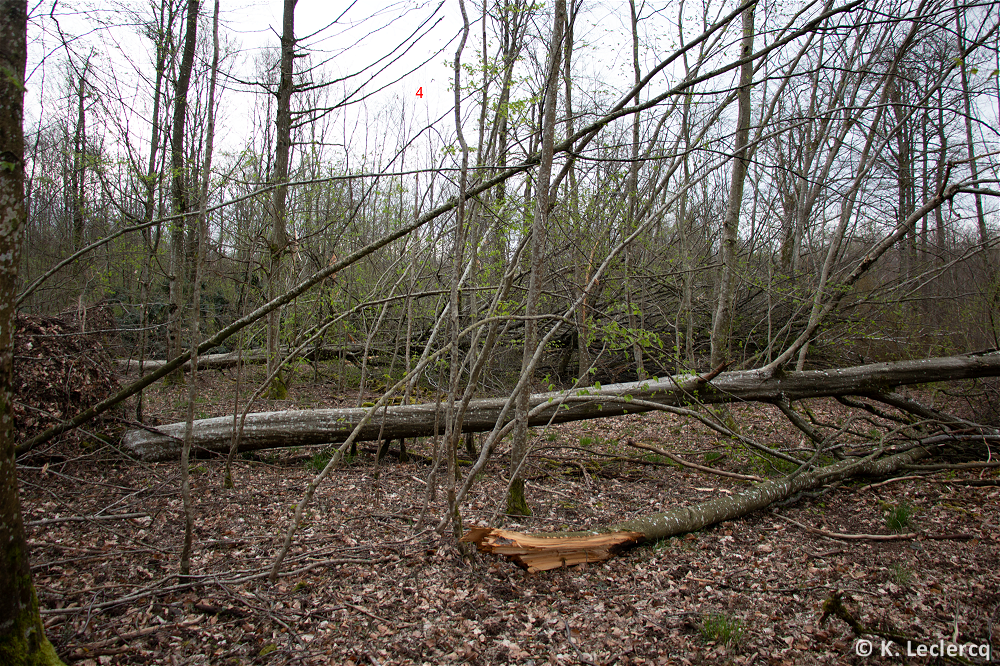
x,y
541,553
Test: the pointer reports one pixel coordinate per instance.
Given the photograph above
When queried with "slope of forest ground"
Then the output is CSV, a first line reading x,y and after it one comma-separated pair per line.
x,y
365,585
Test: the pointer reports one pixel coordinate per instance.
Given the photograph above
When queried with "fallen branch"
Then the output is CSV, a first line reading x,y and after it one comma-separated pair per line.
x,y
232,359
909,536
691,465
81,519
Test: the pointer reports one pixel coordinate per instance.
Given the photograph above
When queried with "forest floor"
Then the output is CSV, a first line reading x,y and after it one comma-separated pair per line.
x,y
365,583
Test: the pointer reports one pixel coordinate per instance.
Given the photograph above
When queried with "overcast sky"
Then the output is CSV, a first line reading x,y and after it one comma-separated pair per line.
x,y
395,48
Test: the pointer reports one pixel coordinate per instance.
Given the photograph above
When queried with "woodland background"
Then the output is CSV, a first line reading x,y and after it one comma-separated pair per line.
x,y
611,193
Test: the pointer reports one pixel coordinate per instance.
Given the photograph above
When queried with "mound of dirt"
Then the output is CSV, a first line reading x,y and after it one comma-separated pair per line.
x,y
58,372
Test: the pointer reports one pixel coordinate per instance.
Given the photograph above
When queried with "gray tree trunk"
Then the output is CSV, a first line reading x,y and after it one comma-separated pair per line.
x,y
308,427
721,322
178,190
539,228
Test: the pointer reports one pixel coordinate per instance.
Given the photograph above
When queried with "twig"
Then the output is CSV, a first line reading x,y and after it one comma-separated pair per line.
x,y
909,536
685,463
888,481
704,379
851,537
945,467
828,553
208,579
583,473
834,606
133,635
550,490
954,482
583,656
81,519
361,609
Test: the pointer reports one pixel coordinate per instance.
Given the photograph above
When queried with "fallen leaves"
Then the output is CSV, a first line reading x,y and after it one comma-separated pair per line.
x,y
365,583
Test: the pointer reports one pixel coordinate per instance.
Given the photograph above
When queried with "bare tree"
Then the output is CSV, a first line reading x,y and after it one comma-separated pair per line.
x,y
180,197
278,243
731,223
516,503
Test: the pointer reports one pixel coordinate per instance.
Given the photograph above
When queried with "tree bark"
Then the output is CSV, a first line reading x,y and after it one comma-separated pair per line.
x,y
179,193
539,228
631,308
309,427
151,241
730,227
279,231
79,175
199,263
22,636
541,552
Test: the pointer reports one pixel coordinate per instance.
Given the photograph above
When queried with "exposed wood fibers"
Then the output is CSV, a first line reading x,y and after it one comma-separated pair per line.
x,y
541,553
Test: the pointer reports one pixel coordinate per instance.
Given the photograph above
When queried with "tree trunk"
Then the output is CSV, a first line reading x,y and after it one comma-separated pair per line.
x,y
453,423
631,308
22,636
199,262
541,552
79,175
279,231
309,427
160,40
539,227
179,193
581,270
730,227
992,284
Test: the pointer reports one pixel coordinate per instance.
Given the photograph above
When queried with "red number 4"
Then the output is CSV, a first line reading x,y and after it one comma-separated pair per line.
x,y
420,92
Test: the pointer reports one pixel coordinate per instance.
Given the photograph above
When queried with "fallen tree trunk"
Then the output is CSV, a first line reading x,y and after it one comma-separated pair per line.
x,y
540,552
231,359
306,427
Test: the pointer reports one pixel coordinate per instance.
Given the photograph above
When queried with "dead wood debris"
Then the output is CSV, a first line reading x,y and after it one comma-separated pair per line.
x,y
542,553
58,372
366,584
